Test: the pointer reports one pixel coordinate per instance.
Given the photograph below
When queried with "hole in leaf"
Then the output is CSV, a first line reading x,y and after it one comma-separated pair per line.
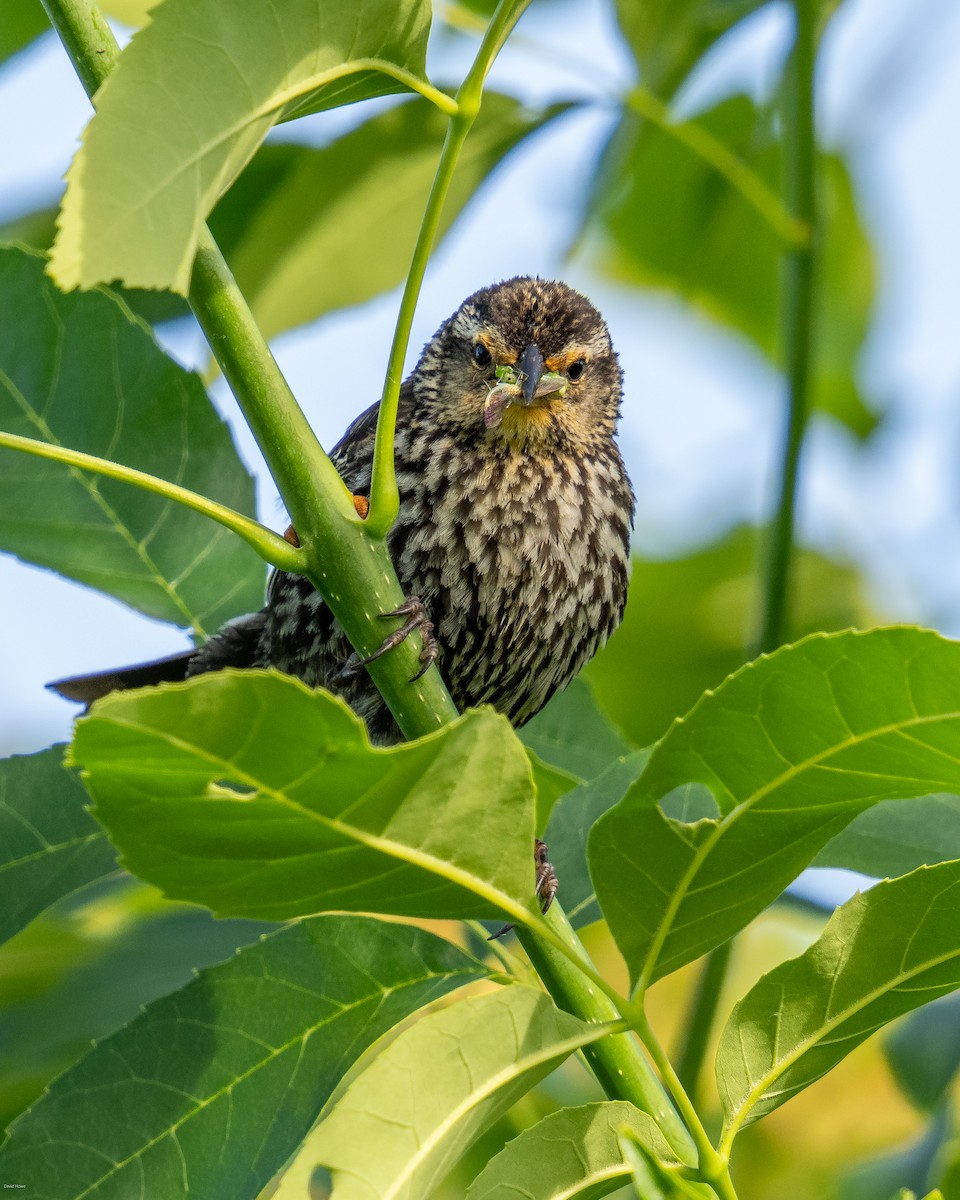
x,y
229,789
690,802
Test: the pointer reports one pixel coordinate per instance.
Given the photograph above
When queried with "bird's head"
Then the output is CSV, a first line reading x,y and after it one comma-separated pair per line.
x,y
527,362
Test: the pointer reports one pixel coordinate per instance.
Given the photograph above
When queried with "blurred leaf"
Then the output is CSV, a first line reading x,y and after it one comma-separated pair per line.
x,y
668,37
914,1165
49,844
573,734
569,828
670,220
786,751
894,838
340,224
34,228
197,1093
924,1051
86,967
191,98
437,1086
574,1153
252,794
132,13
80,371
687,624
23,20
881,954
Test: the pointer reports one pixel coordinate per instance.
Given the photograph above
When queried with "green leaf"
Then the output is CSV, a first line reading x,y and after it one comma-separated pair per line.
x,y
569,829
86,966
192,97
670,220
210,1090
688,620
769,767
81,372
668,37
49,844
320,241
437,1087
882,954
250,793
894,838
924,1051
573,1153
23,21
551,784
573,734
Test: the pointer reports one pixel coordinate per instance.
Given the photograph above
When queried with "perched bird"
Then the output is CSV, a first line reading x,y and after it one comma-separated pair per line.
x,y
514,525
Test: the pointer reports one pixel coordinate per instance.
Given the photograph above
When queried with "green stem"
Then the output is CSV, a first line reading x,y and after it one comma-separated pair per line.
x,y
703,1013
618,1062
384,497
797,315
713,1167
269,545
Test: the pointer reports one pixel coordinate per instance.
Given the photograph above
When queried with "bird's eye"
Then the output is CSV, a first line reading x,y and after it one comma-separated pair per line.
x,y
481,355
575,370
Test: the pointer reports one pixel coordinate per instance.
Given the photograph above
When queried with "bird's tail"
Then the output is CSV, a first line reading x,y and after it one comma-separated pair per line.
x,y
87,688
236,645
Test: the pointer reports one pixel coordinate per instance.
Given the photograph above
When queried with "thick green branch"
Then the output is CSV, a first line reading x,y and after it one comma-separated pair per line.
x,y
796,313
617,1061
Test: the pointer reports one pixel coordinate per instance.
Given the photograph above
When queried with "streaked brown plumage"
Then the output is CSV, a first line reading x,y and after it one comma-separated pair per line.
x,y
514,518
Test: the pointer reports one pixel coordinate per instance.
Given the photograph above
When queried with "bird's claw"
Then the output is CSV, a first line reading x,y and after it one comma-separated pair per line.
x,y
547,884
417,618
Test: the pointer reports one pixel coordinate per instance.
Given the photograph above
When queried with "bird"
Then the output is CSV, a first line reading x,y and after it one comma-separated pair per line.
x,y
512,542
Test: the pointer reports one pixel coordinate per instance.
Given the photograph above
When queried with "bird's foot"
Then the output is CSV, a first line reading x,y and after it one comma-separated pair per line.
x,y
547,884
416,619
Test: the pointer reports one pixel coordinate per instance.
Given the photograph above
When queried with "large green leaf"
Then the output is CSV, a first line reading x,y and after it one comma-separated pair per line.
x,y
894,838
669,219
49,844
740,795
86,966
192,97
882,954
688,620
80,371
211,1089
341,225
573,1154
437,1086
252,794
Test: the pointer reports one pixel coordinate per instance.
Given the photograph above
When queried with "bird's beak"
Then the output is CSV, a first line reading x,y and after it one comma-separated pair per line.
x,y
530,369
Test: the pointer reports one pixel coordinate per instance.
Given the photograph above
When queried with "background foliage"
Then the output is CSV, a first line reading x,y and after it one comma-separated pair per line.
x,y
681,198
